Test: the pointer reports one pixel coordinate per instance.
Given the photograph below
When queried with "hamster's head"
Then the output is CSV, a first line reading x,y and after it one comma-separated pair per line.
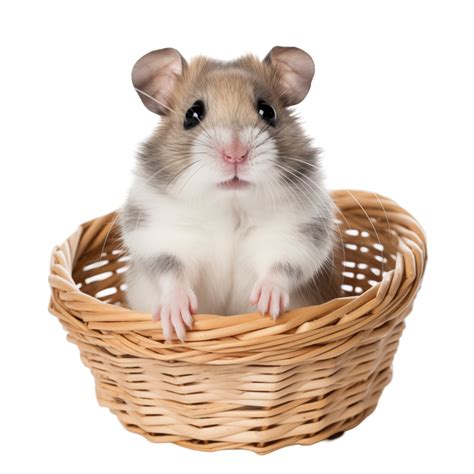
x,y
226,126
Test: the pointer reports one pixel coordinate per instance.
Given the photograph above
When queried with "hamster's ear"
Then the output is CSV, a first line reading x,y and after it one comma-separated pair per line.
x,y
295,69
154,77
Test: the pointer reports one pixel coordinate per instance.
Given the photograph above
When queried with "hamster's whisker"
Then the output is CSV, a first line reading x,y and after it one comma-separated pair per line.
x,y
284,194
261,143
305,194
189,179
308,179
373,227
156,173
182,170
208,132
262,129
257,187
161,104
107,237
311,202
194,153
202,142
217,138
140,212
313,206
385,213
386,220
316,168
267,179
300,177
341,238
303,177
205,130
274,203
256,145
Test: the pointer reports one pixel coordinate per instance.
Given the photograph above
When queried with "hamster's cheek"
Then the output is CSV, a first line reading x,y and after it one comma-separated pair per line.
x,y
263,157
196,180
198,171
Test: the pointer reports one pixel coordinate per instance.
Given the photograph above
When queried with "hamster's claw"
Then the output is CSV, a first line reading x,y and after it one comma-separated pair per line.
x,y
269,298
175,311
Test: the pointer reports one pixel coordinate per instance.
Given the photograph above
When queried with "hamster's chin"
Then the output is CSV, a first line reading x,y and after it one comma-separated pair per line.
x,y
234,183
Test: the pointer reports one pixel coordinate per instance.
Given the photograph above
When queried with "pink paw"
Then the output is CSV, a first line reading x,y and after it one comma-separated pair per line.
x,y
175,311
269,298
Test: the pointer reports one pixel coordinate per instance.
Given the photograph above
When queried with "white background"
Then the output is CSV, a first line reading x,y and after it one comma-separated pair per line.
x,y
392,105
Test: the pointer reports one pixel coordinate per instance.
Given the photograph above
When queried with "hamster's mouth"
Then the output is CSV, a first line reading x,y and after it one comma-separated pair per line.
x,y
234,183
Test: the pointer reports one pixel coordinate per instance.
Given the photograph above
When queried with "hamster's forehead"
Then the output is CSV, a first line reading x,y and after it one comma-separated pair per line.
x,y
230,87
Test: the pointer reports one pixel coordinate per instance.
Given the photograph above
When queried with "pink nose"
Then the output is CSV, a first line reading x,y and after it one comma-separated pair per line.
x,y
235,153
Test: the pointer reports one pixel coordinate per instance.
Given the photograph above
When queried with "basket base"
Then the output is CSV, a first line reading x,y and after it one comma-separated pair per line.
x,y
335,435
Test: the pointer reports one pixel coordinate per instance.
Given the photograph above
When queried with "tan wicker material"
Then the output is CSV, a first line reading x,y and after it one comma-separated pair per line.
x,y
246,381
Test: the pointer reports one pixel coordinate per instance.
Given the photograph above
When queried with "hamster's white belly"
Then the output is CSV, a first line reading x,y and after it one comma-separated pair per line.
x,y
225,276
222,276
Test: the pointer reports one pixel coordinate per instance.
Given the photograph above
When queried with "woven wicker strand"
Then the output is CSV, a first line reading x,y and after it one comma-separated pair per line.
x,y
245,381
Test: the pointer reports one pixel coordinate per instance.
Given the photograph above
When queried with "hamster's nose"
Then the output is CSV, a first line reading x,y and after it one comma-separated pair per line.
x,y
235,153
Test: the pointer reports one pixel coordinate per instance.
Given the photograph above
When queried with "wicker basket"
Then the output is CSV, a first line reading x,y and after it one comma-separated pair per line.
x,y
246,381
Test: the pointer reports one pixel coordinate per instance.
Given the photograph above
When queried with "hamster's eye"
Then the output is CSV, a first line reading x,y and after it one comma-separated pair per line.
x,y
194,115
267,112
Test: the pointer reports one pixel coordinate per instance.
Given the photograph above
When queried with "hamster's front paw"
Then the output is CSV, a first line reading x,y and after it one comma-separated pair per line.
x,y
174,312
269,298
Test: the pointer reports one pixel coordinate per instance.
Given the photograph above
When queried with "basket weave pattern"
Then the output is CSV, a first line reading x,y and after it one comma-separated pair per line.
x,y
246,381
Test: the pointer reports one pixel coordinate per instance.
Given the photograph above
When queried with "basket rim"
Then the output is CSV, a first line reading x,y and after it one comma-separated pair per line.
x,y
70,304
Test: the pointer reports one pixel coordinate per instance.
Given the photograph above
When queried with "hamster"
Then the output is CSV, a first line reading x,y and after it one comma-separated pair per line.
x,y
227,213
